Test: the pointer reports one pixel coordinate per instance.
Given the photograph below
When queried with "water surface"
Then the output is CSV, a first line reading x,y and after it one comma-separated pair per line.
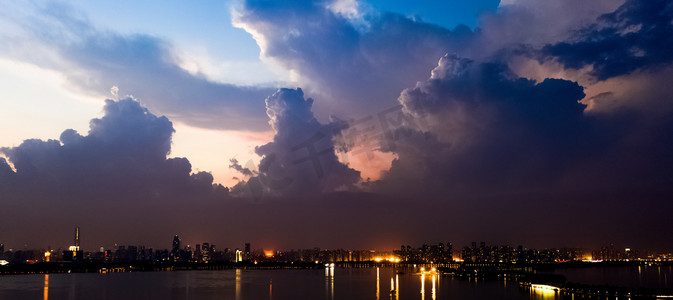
x,y
337,283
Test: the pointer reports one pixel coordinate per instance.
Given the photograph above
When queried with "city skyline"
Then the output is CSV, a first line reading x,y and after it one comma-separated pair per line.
x,y
439,254
177,244
337,124
428,253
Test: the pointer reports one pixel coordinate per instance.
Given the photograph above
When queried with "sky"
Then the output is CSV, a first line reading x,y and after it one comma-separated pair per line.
x,y
336,123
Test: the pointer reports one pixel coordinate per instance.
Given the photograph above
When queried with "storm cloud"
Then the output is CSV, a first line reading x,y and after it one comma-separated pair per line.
x,y
337,53
301,159
124,156
636,36
488,128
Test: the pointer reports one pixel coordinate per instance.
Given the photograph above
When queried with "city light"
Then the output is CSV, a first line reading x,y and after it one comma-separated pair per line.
x,y
544,288
268,253
391,259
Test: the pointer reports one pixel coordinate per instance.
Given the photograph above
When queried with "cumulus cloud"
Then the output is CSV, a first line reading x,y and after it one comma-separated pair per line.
x,y
301,159
116,182
361,60
494,132
54,37
339,56
490,128
485,122
124,155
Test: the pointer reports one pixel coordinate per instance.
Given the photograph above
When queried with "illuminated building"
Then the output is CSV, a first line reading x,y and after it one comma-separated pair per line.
x,y
239,255
205,251
74,253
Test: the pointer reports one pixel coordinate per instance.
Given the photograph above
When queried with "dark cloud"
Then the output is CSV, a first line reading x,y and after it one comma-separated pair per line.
x,y
638,35
300,160
489,128
340,58
359,61
491,132
145,66
116,182
124,155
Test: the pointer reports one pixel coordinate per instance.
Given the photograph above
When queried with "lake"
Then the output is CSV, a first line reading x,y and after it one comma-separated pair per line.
x,y
331,283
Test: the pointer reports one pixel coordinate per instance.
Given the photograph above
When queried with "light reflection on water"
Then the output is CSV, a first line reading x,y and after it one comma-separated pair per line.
x,y
46,287
378,285
434,289
422,286
544,294
329,279
333,283
397,286
434,278
238,284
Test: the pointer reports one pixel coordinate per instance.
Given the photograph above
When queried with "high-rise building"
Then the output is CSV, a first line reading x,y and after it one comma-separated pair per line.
x,y
205,251
132,253
176,245
2,248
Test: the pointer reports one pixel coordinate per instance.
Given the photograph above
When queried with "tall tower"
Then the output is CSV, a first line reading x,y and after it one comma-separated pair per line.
x,y
77,237
73,253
